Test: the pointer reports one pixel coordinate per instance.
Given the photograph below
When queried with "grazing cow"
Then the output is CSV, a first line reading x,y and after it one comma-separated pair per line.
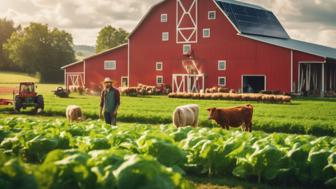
x,y
186,115
233,117
74,113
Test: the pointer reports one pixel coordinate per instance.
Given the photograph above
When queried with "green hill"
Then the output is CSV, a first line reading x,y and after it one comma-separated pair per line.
x,y
83,51
14,77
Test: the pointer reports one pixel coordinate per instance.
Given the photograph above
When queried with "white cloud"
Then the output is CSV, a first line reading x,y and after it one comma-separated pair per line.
x,y
84,36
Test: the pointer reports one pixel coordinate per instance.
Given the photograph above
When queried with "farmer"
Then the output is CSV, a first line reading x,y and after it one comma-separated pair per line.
x,y
109,102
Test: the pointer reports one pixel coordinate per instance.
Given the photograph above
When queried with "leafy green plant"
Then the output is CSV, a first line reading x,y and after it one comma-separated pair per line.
x,y
66,169
145,172
14,175
101,156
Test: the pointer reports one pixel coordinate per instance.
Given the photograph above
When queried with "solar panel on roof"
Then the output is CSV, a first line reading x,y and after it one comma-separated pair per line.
x,y
251,20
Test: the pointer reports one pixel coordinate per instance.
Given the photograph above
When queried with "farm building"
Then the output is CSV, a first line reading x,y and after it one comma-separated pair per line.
x,y
191,45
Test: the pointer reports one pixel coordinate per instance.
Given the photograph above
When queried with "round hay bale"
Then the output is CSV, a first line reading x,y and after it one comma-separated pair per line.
x,y
258,97
213,97
222,90
272,98
189,95
232,91
288,99
225,96
214,90
172,95
208,96
218,95
245,97
265,98
195,96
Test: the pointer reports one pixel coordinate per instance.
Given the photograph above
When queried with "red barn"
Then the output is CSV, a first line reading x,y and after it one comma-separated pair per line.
x,y
90,72
194,44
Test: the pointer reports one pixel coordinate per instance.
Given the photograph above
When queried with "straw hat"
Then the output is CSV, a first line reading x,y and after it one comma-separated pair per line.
x,y
108,80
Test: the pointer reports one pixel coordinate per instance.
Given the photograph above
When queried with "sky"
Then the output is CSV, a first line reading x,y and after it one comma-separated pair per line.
x,y
307,20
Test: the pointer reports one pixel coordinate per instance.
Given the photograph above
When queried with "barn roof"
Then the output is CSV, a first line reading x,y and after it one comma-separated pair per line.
x,y
311,48
260,24
242,4
252,19
92,56
72,64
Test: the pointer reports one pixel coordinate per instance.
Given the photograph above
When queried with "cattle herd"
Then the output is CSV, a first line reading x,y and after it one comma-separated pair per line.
x,y
187,115
240,116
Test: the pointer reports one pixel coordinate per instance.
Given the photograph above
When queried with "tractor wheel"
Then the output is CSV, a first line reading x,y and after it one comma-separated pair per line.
x,y
18,104
39,103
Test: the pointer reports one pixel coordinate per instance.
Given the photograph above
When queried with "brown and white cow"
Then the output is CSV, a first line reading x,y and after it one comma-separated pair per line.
x,y
233,117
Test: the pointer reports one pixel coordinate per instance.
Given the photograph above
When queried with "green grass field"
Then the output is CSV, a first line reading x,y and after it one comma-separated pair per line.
x,y
13,77
303,116
313,116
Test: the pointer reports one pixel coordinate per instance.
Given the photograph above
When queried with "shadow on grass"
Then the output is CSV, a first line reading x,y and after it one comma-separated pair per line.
x,y
317,99
234,183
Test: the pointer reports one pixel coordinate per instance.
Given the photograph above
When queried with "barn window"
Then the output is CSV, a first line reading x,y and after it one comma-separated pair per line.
x,y
159,66
165,36
212,15
222,81
159,80
110,65
186,49
206,32
164,18
124,81
221,65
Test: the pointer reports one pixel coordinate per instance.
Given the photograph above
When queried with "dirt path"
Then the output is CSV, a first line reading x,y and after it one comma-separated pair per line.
x,y
7,90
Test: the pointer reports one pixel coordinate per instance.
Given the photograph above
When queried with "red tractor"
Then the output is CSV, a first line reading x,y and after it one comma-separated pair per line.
x,y
27,97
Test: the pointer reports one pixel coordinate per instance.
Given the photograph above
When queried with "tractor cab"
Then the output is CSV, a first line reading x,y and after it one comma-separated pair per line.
x,y
27,97
27,89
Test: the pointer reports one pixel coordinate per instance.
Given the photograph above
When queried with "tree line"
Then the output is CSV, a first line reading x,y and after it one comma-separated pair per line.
x,y
40,49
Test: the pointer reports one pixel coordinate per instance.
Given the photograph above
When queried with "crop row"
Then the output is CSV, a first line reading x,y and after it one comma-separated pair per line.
x,y
275,158
71,169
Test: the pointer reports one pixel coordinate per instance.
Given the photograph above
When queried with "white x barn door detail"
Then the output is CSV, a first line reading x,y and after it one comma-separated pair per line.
x,y
186,21
188,83
75,79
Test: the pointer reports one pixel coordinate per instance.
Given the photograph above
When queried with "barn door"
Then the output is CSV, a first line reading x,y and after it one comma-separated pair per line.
x,y
311,79
188,83
74,80
186,21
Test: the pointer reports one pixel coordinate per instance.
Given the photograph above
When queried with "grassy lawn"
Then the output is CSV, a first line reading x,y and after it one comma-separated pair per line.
x,y
13,77
305,116
11,80
45,89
